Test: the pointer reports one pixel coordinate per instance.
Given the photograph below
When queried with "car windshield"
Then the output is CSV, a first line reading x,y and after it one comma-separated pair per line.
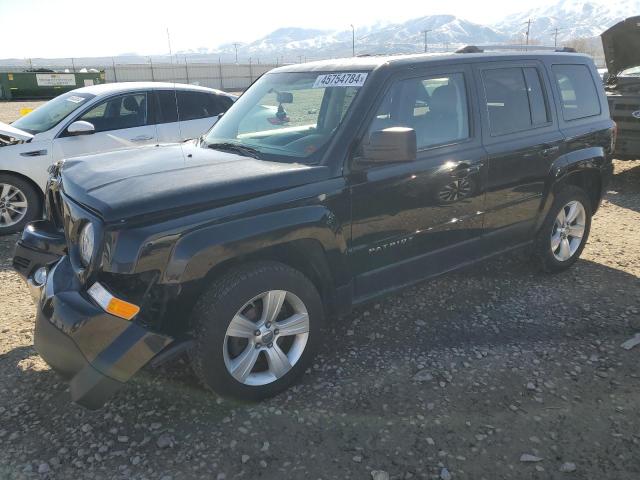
x,y
630,72
287,116
51,113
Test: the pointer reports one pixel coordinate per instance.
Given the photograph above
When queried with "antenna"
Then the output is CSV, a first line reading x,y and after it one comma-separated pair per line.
x,y
175,90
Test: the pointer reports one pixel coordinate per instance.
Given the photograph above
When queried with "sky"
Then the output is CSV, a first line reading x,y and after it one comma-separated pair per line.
x,y
71,28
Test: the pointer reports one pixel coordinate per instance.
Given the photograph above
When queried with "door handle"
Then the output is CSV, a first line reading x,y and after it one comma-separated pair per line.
x,y
547,152
141,138
34,153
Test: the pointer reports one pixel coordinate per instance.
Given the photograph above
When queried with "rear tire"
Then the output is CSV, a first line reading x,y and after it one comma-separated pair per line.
x,y
256,330
565,231
20,204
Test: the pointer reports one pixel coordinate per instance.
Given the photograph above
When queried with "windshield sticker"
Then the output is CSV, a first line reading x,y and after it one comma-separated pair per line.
x,y
75,99
340,80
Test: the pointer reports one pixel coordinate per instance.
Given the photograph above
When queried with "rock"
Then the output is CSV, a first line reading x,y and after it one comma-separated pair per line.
x,y
632,342
568,467
526,457
379,475
445,474
531,386
43,468
423,376
357,458
245,458
123,438
164,441
430,441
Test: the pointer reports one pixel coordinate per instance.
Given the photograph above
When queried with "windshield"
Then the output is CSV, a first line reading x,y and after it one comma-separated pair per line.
x,y
51,113
288,116
630,72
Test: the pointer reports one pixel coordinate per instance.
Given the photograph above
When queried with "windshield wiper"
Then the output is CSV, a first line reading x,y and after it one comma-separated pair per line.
x,y
234,147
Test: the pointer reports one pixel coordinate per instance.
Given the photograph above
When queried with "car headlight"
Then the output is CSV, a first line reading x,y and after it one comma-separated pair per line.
x,y
87,244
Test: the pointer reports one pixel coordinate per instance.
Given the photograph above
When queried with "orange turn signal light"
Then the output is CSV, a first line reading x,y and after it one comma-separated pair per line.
x,y
111,304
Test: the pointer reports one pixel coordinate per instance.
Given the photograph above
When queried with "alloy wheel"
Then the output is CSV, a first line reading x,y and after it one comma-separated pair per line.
x,y
266,338
568,230
13,205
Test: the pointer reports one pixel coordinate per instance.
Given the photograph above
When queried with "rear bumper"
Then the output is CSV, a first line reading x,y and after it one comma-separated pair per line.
x,y
96,352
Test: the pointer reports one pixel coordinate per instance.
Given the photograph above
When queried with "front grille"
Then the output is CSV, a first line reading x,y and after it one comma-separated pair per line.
x,y
54,206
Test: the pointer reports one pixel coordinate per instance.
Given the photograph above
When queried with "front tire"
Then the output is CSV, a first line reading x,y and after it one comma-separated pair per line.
x,y
256,331
19,204
565,231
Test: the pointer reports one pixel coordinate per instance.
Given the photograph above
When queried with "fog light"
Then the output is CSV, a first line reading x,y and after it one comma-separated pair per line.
x,y
111,304
40,276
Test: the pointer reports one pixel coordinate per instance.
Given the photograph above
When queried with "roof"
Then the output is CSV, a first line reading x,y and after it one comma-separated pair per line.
x,y
105,88
374,61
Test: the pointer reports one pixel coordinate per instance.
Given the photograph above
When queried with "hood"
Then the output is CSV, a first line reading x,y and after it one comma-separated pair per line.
x,y
621,45
167,180
14,132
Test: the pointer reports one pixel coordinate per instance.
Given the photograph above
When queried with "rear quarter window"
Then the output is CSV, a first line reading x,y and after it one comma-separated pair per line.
x,y
578,93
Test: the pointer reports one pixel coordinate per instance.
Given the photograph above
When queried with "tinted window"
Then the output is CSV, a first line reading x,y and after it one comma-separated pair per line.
x,y
578,92
194,105
167,106
507,100
537,100
435,107
124,111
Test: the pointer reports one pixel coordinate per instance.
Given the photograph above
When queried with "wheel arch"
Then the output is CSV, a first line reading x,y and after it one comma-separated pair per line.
x,y
28,180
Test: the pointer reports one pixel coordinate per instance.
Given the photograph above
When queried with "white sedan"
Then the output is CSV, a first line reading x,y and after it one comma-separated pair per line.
x,y
90,120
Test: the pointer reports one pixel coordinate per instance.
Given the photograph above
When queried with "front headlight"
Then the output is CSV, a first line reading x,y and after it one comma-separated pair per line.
x,y
87,244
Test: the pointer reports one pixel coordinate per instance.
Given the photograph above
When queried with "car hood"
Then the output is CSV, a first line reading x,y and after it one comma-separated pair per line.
x,y
14,132
169,180
621,45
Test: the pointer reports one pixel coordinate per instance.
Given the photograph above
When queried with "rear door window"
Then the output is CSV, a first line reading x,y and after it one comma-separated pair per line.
x,y
167,110
577,91
515,99
196,105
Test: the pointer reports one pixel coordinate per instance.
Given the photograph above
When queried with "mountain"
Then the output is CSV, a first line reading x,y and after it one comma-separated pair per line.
x,y
572,18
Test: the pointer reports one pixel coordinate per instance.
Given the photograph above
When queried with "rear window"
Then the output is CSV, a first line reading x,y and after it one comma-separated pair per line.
x,y
577,90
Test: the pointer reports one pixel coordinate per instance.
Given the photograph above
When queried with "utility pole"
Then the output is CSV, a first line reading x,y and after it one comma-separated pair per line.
x,y
353,41
555,37
528,31
236,47
426,43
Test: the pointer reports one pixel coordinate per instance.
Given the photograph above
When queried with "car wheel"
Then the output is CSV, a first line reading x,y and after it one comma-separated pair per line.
x,y
256,330
19,204
565,230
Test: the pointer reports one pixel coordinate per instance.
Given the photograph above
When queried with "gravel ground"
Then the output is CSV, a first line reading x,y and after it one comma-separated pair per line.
x,y
494,372
10,111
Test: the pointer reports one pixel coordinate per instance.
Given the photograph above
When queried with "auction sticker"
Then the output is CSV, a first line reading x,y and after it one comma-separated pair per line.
x,y
342,79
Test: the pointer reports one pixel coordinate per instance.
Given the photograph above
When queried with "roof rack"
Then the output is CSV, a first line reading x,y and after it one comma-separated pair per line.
x,y
518,48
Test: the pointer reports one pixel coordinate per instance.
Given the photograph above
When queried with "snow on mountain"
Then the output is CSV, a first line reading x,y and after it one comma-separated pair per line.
x,y
572,18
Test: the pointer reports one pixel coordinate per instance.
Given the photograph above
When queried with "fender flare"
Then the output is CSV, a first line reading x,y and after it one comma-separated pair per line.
x,y
197,253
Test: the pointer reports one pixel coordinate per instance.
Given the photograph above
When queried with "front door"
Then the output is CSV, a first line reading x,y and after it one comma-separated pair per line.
x,y
522,140
413,220
120,122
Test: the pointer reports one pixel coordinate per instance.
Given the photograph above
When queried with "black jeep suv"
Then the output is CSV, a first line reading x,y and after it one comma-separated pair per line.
x,y
621,45
325,185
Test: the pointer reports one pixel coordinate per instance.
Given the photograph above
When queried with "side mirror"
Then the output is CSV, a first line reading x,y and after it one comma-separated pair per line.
x,y
81,128
395,144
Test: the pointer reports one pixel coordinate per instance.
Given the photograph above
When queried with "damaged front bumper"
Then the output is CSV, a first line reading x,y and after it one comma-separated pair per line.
x,y
96,352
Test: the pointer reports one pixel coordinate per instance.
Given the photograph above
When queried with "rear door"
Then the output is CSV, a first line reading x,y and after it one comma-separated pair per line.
x,y
120,121
522,139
